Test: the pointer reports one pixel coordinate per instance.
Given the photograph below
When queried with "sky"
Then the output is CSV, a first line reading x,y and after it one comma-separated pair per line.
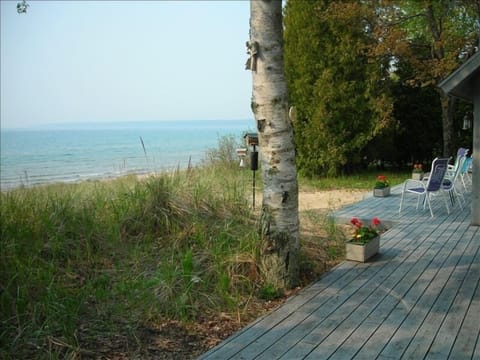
x,y
113,61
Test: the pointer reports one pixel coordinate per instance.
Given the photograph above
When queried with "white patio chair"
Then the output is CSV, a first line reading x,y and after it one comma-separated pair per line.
x,y
451,183
424,190
452,168
465,175
461,154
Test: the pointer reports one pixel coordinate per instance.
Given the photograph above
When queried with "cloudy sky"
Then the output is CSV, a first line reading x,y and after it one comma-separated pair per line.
x,y
109,61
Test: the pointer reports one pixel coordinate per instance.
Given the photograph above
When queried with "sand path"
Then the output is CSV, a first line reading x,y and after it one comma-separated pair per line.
x,y
328,199
323,199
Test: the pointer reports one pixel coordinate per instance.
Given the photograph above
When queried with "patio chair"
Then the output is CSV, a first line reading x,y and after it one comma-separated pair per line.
x,y
461,154
465,175
424,190
451,183
451,169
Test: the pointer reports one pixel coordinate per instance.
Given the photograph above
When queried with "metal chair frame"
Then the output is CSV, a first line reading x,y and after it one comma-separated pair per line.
x,y
424,190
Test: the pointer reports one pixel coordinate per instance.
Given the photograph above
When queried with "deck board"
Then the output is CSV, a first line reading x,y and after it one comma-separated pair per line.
x,y
418,298
442,270
390,314
470,330
461,285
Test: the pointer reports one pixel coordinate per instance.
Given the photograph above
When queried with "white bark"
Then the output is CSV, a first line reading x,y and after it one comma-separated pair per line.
x,y
279,221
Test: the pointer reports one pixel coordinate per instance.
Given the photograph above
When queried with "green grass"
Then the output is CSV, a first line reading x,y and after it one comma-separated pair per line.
x,y
90,261
364,180
84,265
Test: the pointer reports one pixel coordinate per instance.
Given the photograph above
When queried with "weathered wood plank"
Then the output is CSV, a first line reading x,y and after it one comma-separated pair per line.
x,y
380,305
387,329
469,332
298,329
476,354
421,292
316,336
434,302
395,287
248,335
319,318
303,322
467,277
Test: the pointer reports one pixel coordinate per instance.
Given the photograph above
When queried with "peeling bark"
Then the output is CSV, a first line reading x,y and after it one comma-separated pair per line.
x,y
279,219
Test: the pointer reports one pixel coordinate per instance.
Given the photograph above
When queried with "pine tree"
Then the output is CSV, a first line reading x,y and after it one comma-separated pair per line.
x,y
341,96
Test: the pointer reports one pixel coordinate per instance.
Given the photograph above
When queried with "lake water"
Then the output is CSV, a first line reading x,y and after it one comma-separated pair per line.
x,y
72,153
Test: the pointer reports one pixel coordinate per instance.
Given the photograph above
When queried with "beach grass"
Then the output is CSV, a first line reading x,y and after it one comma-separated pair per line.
x,y
84,266
82,263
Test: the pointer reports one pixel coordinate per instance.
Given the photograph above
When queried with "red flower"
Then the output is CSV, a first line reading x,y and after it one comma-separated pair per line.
x,y
356,222
363,234
381,182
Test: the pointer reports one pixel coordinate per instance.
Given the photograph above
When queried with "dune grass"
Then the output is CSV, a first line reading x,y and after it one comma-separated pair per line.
x,y
86,264
99,258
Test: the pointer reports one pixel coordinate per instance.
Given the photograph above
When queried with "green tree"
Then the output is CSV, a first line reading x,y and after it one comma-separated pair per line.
x,y
432,38
340,95
353,67
416,135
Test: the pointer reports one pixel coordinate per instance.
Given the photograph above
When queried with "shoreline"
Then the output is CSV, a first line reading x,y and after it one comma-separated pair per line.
x,y
140,175
74,154
24,183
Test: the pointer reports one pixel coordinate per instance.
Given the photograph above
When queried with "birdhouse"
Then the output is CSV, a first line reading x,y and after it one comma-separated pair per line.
x,y
251,139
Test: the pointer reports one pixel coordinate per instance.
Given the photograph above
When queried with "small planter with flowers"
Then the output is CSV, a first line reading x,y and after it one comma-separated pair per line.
x,y
417,172
382,186
365,240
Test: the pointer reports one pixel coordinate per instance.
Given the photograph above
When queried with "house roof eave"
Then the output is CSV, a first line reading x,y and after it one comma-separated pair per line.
x,y
460,82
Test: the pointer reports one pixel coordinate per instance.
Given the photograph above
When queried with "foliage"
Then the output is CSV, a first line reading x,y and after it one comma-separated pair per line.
x,y
225,152
381,182
434,36
341,97
428,40
363,234
269,292
418,135
362,77
360,180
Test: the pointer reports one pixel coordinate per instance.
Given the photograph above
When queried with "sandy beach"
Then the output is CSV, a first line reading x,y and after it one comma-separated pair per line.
x,y
328,199
323,199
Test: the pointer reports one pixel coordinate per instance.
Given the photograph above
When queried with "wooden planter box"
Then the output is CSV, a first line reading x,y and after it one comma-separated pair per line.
x,y
361,253
417,176
381,192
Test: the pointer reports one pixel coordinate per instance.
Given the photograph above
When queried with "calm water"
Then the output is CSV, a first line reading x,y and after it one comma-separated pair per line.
x,y
75,153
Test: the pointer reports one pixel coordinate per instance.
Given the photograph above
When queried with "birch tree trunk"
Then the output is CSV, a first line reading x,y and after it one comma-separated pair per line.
x,y
279,214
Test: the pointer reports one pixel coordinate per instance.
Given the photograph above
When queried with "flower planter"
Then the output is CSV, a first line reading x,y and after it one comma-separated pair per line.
x,y
417,176
382,192
362,252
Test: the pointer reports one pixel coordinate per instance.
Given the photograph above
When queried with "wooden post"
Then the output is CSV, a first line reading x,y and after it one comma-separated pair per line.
x,y
476,156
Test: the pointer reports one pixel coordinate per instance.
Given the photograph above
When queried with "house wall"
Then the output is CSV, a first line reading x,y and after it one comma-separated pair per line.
x,y
476,154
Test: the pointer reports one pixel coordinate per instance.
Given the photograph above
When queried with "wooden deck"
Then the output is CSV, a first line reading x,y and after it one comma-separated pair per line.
x,y
418,299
